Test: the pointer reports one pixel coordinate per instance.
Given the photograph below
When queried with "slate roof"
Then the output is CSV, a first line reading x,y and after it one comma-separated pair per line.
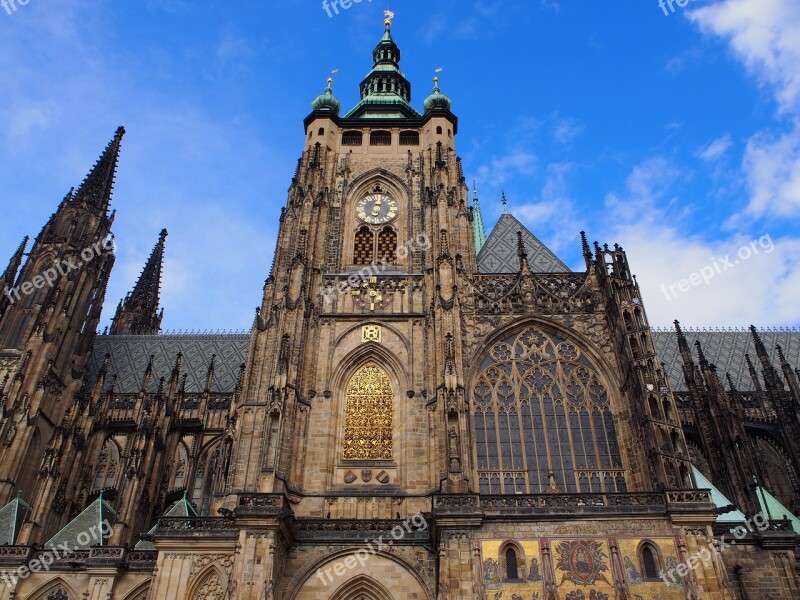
x,y
131,353
726,350
499,253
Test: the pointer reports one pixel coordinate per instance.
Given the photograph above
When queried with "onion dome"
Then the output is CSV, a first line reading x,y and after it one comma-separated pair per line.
x,y
437,100
327,101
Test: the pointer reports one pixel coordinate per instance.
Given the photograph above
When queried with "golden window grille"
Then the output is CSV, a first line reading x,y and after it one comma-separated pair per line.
x,y
387,245
369,415
363,247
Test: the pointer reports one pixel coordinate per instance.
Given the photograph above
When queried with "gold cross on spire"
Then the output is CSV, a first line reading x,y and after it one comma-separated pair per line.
x,y
389,17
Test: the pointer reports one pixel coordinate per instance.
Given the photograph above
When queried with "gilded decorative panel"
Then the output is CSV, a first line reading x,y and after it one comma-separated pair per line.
x,y
582,569
635,573
368,415
529,583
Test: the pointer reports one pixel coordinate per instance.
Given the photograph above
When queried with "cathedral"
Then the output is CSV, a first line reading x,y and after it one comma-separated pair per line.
x,y
420,411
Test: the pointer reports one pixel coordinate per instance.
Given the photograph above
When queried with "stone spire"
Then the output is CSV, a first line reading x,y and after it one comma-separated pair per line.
x,y
8,278
96,189
139,313
477,222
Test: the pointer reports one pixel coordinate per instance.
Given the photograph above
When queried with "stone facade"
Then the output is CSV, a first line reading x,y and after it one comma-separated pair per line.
x,y
405,425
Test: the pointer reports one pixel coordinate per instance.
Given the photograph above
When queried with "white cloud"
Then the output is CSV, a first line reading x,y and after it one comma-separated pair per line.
x,y
772,166
567,130
765,36
500,170
649,221
715,149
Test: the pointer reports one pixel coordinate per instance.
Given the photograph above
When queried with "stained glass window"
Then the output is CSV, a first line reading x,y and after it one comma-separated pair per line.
x,y
543,420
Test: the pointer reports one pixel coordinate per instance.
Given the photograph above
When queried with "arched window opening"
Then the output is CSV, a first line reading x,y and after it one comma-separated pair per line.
x,y
409,138
649,563
199,479
686,479
352,138
628,321
512,570
676,442
541,407
363,248
439,131
380,138
369,415
654,412
321,131
668,410
387,245
107,466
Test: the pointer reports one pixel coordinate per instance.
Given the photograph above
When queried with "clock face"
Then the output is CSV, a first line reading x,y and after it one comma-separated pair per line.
x,y
376,209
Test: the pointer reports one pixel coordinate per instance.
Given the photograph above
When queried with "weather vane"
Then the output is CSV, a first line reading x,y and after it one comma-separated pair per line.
x,y
389,16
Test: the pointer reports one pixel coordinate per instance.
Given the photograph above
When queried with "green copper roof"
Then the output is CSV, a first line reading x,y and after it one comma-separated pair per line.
x,y
437,99
327,101
774,510
385,85
719,499
477,225
11,517
86,530
182,508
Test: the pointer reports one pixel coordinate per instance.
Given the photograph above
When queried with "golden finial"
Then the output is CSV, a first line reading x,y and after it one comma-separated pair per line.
x,y
389,16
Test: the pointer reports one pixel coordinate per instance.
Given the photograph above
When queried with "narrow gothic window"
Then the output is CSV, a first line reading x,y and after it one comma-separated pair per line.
x,y
364,247
387,245
649,564
369,415
543,420
512,572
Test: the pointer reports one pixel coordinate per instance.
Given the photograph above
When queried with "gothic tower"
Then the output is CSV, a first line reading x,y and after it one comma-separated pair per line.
x,y
48,326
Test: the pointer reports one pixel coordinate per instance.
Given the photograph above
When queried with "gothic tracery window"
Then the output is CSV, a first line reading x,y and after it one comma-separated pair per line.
x,y
543,420
368,415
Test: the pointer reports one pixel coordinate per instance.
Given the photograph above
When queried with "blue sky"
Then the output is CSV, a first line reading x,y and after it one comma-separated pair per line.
x,y
677,136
